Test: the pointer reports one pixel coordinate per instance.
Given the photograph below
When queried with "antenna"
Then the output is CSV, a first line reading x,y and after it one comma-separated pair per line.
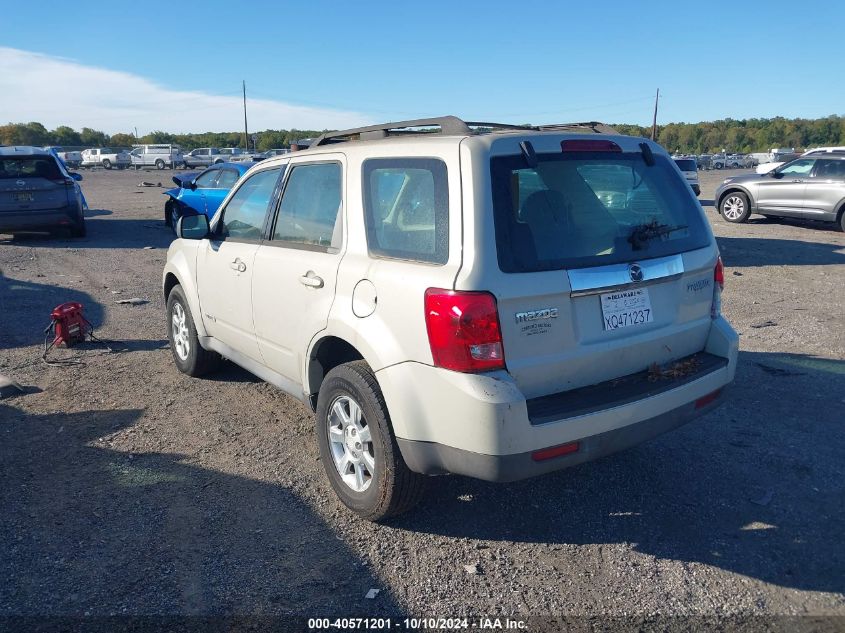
x,y
246,131
654,120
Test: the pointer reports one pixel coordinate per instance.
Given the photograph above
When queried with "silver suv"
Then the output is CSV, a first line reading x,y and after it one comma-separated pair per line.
x,y
811,187
493,301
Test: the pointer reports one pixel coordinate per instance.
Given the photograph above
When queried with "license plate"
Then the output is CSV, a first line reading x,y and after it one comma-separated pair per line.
x,y
25,196
626,308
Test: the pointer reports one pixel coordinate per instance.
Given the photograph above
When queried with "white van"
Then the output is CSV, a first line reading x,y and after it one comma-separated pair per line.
x,y
158,156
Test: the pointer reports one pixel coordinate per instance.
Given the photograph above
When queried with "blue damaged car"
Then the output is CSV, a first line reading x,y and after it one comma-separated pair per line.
x,y
201,192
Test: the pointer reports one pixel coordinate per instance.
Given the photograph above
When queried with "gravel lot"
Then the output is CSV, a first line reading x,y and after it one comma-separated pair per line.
x,y
129,488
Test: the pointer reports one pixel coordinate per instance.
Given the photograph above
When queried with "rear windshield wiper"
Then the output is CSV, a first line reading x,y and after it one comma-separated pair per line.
x,y
641,234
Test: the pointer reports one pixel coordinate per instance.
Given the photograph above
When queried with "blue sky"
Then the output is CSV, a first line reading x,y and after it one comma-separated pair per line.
x,y
345,62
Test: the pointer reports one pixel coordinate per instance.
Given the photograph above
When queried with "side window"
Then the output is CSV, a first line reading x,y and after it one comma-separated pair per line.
x,y
207,179
799,167
227,180
830,170
406,208
244,214
310,209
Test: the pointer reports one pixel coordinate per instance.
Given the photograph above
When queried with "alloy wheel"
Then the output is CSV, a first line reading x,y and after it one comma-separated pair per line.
x,y
179,328
733,207
350,443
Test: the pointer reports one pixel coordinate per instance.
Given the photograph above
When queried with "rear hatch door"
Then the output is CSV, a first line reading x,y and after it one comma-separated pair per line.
x,y
606,265
31,183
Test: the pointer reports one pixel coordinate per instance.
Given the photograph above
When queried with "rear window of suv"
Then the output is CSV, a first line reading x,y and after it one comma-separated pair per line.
x,y
29,167
581,209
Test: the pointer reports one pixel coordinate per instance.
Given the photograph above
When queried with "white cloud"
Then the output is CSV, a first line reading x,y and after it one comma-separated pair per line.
x,y
57,91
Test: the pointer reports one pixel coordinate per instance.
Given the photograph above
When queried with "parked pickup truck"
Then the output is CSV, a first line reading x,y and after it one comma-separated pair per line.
x,y
105,157
207,156
731,161
71,159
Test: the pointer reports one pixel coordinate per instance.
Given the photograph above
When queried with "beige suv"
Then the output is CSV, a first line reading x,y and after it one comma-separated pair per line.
x,y
493,301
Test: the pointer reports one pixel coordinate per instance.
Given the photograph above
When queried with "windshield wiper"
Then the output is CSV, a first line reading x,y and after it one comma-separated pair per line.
x,y
643,233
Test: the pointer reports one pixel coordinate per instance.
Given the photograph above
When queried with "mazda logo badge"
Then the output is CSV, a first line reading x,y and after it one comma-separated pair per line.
x,y
636,272
20,183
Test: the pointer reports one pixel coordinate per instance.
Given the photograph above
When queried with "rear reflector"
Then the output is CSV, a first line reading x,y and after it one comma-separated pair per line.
x,y
555,451
588,145
703,401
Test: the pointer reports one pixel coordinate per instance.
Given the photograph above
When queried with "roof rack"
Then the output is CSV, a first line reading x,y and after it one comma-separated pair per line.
x,y
449,125
594,126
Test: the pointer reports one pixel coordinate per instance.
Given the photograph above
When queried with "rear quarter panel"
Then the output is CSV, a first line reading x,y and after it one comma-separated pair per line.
x,y
395,332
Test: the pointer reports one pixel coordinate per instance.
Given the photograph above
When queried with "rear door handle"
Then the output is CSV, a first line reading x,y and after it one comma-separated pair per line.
x,y
311,280
238,265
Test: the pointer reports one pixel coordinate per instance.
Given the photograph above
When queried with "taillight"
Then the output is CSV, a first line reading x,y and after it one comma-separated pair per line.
x,y
718,285
719,273
589,145
463,330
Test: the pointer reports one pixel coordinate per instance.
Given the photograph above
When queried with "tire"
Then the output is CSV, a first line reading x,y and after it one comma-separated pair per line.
x,y
734,207
107,164
842,220
189,357
175,214
159,164
78,228
171,214
218,161
392,488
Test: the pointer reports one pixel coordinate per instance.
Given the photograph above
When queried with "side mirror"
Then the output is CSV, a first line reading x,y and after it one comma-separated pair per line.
x,y
775,174
75,176
192,185
192,227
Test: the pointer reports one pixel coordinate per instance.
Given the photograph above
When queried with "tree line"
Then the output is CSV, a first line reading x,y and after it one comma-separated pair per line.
x,y
36,134
745,135
734,135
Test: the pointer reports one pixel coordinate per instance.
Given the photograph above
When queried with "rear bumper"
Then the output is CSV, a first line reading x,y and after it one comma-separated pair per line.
x,y
39,220
481,425
430,458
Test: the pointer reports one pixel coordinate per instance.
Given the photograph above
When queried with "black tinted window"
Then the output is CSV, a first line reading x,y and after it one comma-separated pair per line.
x,y
310,209
686,164
590,209
830,169
244,214
406,203
29,167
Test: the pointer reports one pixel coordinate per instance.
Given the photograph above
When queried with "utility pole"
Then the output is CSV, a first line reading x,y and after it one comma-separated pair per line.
x,y
246,132
654,120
